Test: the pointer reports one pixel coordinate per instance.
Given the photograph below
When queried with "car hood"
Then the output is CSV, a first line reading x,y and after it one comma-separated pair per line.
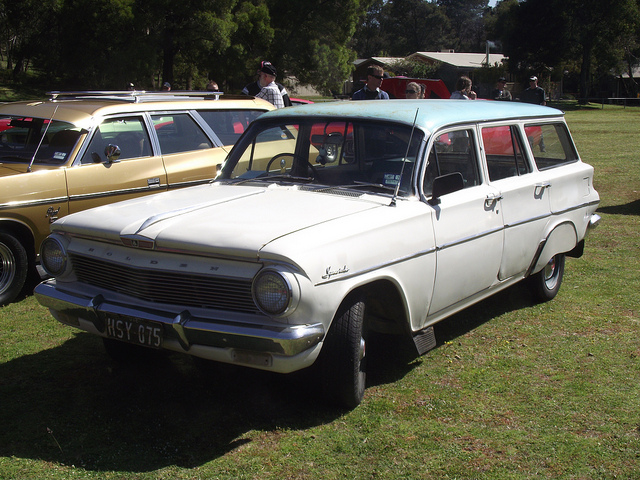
x,y
216,218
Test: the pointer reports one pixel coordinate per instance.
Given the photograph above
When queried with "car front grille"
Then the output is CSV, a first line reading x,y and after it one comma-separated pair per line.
x,y
165,286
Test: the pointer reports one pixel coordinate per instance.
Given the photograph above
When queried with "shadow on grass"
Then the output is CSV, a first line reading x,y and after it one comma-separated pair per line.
x,y
71,405
631,208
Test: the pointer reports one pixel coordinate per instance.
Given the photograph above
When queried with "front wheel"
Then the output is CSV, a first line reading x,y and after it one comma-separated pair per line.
x,y
343,359
546,283
14,266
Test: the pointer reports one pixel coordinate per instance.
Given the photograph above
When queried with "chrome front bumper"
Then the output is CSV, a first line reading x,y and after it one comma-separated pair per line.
x,y
184,332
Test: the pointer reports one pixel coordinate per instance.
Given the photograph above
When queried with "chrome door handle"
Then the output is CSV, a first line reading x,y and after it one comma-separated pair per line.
x,y
492,200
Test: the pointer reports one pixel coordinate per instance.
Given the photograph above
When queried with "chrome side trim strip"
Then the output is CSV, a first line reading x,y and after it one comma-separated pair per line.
x,y
112,193
33,203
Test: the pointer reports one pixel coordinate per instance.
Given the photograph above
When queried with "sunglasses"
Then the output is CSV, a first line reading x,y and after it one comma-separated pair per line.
x,y
410,91
379,77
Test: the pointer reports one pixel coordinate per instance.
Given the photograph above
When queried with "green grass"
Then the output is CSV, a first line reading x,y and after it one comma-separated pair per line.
x,y
513,390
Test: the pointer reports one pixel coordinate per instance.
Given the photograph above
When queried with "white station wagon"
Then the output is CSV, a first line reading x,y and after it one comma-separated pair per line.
x,y
327,223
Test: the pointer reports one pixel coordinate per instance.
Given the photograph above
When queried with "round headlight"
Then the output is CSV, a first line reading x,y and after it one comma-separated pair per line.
x,y
272,292
53,256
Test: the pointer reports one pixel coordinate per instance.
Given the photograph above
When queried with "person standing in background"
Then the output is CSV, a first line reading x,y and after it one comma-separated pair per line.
x,y
534,94
371,89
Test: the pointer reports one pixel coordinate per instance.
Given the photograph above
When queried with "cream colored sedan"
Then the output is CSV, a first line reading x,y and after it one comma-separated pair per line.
x,y
83,149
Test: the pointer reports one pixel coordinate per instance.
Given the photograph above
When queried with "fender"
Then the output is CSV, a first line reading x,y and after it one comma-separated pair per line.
x,y
563,238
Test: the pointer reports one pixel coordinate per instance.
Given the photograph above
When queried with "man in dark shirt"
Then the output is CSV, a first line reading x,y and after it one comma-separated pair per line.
x,y
534,94
371,90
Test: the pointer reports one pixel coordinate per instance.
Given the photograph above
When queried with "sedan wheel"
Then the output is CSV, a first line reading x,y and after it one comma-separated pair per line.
x,y
13,267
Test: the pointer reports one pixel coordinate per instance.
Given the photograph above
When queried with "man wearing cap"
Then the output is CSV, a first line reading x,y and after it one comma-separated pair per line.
x,y
166,87
534,94
266,76
371,89
500,92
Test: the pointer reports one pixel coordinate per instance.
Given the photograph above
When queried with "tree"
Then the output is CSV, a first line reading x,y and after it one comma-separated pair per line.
x,y
416,25
312,39
550,33
466,22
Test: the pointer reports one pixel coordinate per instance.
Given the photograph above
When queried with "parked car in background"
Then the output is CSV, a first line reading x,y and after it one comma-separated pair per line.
x,y
329,224
434,88
300,101
78,150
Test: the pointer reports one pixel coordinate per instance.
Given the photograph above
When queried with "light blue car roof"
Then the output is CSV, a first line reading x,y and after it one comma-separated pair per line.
x,y
432,114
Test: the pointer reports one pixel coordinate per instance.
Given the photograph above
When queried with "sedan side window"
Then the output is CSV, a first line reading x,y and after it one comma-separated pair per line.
x,y
452,152
178,132
228,125
127,133
504,152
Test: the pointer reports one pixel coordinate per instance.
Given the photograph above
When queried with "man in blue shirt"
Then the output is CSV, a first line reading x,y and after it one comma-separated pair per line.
x,y
371,90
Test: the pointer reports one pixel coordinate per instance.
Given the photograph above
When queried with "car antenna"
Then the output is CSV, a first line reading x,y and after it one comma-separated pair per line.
x,y
33,159
404,160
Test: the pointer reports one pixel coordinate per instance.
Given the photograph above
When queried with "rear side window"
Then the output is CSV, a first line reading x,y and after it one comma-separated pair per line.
x,y
228,125
178,132
452,152
551,145
504,152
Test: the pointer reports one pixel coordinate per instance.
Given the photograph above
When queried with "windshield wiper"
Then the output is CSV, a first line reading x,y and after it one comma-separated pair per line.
x,y
364,185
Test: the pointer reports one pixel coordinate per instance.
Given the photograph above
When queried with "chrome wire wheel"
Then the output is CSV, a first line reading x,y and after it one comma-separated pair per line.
x,y
7,268
14,266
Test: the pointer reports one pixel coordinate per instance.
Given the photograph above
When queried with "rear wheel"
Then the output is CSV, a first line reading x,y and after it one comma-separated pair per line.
x,y
343,358
546,283
14,265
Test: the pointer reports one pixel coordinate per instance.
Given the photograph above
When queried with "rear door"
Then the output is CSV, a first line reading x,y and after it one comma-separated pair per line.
x,y
523,196
95,180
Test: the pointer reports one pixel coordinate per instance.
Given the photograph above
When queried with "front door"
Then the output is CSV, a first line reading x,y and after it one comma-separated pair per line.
x,y
96,180
467,223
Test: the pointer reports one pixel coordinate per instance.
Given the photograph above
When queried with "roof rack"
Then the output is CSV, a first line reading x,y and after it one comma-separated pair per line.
x,y
134,96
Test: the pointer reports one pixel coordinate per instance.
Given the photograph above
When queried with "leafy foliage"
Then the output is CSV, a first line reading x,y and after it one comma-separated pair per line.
x,y
107,44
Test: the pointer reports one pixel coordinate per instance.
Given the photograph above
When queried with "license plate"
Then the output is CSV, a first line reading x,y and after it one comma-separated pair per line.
x,y
134,330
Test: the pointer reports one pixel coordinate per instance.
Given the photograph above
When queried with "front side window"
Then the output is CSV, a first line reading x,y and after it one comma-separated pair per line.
x,y
551,145
452,152
178,132
128,134
504,152
364,155
228,125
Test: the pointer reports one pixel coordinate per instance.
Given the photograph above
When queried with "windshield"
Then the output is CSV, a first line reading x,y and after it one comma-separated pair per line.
x,y
20,137
369,156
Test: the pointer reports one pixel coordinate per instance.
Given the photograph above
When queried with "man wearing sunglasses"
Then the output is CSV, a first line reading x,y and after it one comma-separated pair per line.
x,y
371,89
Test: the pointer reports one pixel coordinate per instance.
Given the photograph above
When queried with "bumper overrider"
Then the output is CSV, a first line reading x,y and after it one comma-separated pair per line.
x,y
281,348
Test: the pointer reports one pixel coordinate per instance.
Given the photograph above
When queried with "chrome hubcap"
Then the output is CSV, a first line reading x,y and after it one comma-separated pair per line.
x,y
7,268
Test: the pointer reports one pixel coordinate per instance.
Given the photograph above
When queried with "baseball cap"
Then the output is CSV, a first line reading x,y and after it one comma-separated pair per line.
x,y
268,68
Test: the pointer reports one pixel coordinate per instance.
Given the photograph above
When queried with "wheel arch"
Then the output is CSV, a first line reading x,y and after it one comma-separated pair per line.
x,y
562,238
23,233
386,307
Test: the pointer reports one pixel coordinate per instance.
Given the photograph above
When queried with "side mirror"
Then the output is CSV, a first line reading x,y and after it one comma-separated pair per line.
x,y
112,152
444,184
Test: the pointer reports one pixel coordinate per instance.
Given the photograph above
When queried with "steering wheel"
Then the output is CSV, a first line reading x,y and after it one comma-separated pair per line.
x,y
293,155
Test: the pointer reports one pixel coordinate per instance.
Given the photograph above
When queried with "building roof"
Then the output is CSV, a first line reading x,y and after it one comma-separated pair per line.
x,y
380,60
461,60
